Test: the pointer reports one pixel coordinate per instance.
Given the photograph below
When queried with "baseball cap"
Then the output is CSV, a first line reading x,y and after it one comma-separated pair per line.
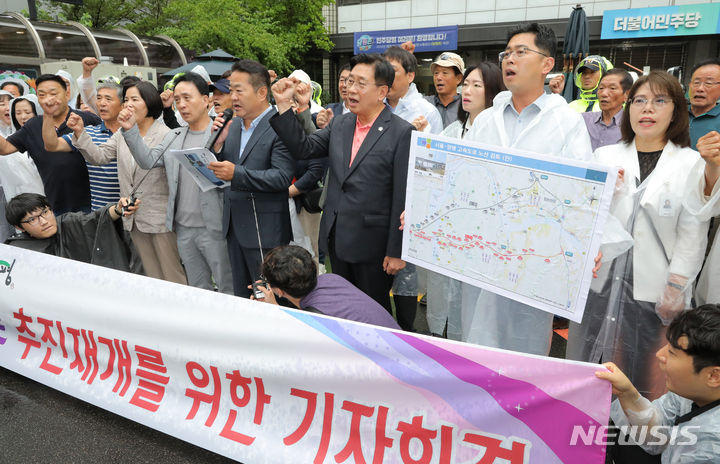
x,y
449,60
592,62
222,85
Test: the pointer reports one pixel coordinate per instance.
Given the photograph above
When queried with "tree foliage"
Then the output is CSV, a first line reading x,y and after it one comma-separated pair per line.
x,y
100,14
276,33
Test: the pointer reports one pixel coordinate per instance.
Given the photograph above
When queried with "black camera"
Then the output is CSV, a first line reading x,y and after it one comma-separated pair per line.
x,y
131,202
259,295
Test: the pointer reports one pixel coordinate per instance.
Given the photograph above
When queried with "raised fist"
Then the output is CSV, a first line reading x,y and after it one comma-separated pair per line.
x,y
75,123
126,118
324,117
167,98
89,63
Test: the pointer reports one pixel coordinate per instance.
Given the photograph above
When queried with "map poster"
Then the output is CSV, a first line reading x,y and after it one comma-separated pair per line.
x,y
519,224
195,160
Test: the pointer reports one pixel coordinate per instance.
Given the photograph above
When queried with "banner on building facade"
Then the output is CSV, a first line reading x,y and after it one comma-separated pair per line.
x,y
429,39
263,384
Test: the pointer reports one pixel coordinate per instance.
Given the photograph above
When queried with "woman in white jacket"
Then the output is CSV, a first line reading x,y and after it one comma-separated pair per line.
x,y
444,294
640,291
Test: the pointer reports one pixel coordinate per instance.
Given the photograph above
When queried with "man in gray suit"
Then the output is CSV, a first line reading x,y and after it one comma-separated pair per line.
x,y
259,168
367,151
195,216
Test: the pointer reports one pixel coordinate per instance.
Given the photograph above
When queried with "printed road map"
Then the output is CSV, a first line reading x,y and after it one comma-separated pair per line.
x,y
523,225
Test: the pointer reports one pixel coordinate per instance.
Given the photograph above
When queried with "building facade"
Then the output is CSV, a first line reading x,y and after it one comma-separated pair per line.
x,y
482,26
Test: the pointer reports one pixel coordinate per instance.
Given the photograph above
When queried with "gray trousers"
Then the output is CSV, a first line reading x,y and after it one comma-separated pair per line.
x,y
204,254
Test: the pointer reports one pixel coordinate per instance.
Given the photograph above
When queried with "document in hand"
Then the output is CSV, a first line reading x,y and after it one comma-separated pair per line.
x,y
519,224
195,160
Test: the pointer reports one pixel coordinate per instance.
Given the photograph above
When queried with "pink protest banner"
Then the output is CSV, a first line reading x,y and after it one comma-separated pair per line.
x,y
262,385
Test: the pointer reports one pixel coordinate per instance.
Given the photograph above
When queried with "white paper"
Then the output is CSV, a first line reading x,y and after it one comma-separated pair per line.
x,y
195,160
522,225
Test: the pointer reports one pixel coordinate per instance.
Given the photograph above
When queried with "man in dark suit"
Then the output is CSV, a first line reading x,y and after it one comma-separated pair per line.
x,y
259,168
367,150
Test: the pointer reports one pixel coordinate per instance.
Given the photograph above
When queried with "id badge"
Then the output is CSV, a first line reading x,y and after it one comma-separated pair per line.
x,y
667,205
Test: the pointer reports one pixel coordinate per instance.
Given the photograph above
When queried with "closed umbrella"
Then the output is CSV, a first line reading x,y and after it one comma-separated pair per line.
x,y
575,47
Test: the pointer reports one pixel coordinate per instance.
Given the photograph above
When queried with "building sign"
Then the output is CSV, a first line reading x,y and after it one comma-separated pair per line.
x,y
661,22
428,39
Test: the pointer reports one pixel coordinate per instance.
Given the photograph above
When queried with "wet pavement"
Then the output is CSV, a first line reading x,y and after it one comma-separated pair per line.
x,y
42,425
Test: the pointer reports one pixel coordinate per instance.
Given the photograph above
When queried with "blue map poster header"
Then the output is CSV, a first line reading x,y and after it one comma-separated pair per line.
x,y
427,39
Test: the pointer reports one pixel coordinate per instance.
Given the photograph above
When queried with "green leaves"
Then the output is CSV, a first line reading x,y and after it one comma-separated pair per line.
x,y
276,33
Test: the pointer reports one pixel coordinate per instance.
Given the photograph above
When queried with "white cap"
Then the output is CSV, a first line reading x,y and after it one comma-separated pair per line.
x,y
301,75
200,69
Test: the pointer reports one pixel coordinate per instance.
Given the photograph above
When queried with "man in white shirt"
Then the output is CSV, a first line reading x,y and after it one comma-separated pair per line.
x,y
403,97
523,118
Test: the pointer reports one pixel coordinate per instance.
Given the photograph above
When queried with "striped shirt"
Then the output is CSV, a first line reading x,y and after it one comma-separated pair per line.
x,y
104,186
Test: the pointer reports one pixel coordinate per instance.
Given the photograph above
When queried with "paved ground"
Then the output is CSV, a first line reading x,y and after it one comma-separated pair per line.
x,y
42,425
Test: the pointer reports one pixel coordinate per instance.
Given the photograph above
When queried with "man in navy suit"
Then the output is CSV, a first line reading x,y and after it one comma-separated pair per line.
x,y
259,168
323,118
367,151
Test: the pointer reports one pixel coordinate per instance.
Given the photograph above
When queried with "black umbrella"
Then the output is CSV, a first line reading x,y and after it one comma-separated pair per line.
x,y
575,47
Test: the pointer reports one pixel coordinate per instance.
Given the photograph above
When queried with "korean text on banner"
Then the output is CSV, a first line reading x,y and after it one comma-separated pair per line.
x,y
262,384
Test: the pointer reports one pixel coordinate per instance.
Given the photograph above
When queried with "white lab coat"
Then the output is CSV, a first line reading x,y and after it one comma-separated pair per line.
x,y
620,322
490,319
705,208
683,236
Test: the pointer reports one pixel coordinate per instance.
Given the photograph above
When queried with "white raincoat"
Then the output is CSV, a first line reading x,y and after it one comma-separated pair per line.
x,y
674,410
413,104
620,322
705,207
24,87
490,319
74,92
444,294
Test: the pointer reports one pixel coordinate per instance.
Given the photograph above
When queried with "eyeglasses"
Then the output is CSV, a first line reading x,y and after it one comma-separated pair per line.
x,y
707,84
657,102
32,220
350,82
519,53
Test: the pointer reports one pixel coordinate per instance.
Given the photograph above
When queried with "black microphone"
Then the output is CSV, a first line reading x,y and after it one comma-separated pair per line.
x,y
227,116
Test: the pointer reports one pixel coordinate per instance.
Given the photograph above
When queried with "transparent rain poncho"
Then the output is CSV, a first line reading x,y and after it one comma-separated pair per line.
x,y
668,411
705,208
620,326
